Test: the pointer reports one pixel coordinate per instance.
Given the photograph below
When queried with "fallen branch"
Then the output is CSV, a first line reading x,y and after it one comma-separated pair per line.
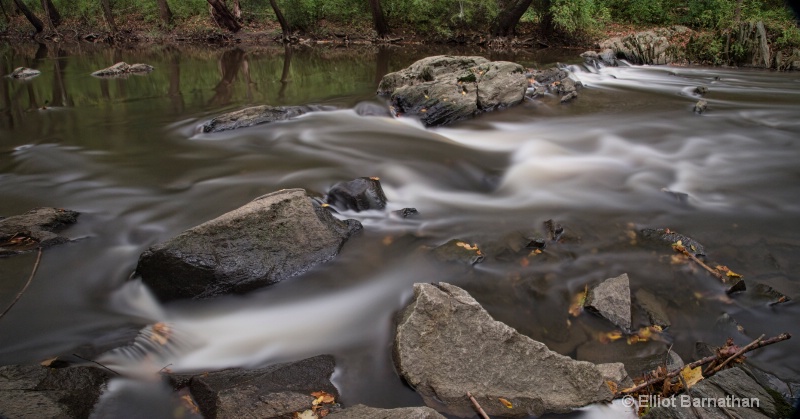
x,y
477,407
711,270
758,343
734,356
30,278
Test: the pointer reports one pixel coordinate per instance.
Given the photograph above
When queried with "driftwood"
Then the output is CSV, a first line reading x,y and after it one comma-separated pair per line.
x,y
30,278
758,343
477,406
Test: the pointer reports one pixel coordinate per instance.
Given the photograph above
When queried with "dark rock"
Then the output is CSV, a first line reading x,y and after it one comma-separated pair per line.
x,y
458,251
639,358
767,292
24,73
733,384
255,115
537,243
557,81
680,197
726,324
123,69
406,212
700,90
272,392
671,237
447,345
360,194
372,109
569,97
274,237
612,300
34,391
443,89
36,228
701,106
554,230
363,412
652,308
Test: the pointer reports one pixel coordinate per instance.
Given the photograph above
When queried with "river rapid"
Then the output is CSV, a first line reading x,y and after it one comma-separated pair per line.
x,y
125,154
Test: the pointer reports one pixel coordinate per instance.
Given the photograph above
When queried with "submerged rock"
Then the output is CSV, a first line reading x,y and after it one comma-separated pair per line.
x,y
639,358
255,115
364,412
360,194
35,391
36,228
275,391
24,73
671,237
274,237
700,106
123,68
652,308
557,81
612,300
458,251
443,89
741,396
447,345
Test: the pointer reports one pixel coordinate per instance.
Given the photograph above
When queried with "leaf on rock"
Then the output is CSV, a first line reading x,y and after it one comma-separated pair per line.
x,y
306,414
576,308
161,333
692,375
612,386
322,397
506,403
679,246
48,362
187,402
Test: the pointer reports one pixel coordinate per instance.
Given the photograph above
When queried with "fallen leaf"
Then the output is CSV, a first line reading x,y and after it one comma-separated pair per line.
x,y
692,375
49,361
306,414
186,401
161,333
576,308
732,274
609,337
323,397
612,386
506,403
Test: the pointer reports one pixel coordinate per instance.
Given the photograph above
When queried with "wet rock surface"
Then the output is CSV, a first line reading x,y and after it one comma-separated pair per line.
x,y
36,228
444,89
671,237
458,251
647,47
23,73
274,237
611,299
447,345
122,69
365,412
733,383
275,391
255,115
359,194
34,391
557,81
639,358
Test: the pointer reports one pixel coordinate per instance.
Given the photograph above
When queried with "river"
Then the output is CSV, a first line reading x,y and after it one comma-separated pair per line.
x,y
124,153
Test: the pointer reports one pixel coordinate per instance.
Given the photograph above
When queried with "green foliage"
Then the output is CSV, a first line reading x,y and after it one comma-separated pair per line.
x,y
638,11
576,16
709,14
443,16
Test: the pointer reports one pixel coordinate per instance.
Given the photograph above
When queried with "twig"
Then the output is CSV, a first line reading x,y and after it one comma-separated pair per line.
x,y
33,273
95,362
752,346
477,407
164,368
712,271
736,355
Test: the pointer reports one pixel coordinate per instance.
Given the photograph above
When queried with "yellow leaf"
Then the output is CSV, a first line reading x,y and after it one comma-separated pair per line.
x,y
609,337
506,403
161,333
576,308
732,274
187,401
323,397
612,386
692,375
306,414
48,362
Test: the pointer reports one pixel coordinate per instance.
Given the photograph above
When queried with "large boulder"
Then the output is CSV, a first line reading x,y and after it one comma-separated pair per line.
x,y
447,345
443,89
36,228
35,391
274,237
364,193
275,391
653,46
365,412
255,115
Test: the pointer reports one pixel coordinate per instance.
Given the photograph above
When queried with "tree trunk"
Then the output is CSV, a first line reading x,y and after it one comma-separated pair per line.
x,y
51,12
237,10
165,12
285,28
509,17
223,16
37,24
377,17
108,15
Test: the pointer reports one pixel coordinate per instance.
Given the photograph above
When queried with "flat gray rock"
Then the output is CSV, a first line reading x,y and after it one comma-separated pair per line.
x,y
254,115
274,237
275,391
364,412
736,389
447,345
443,89
36,228
34,391
612,300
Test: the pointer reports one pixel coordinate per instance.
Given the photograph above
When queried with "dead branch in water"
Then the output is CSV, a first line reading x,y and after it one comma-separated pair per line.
x,y
477,407
30,278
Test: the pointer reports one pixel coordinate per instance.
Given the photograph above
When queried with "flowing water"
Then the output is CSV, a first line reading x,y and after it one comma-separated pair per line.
x,y
124,153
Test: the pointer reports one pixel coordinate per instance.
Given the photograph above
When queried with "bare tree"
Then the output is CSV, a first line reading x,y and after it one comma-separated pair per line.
x,y
381,27
509,16
51,12
165,12
108,15
237,10
285,28
223,16
37,24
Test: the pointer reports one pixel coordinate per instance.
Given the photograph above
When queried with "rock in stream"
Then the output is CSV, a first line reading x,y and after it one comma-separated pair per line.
x,y
274,237
36,228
